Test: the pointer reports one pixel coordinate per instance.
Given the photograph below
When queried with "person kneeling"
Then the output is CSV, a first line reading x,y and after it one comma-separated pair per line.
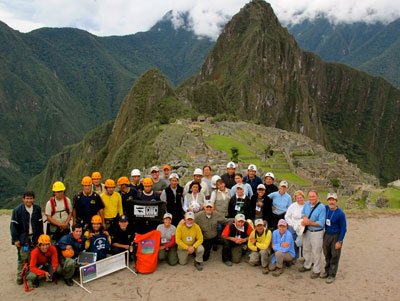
x,y
259,244
283,245
168,246
44,261
122,237
189,240
98,240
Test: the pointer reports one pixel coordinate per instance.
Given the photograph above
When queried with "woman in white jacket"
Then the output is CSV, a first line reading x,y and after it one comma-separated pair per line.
x,y
293,218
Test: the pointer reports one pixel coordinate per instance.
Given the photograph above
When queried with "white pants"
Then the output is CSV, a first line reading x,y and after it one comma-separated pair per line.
x,y
312,250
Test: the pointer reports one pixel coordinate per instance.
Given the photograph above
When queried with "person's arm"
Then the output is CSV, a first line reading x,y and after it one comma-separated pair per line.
x,y
171,243
54,259
252,246
343,230
289,216
225,234
33,264
233,190
199,237
250,191
163,196
74,216
120,209
185,204
14,229
87,242
213,197
263,245
179,240
115,244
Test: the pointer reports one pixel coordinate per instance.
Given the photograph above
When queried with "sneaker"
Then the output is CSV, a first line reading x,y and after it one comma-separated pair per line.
x,y
253,264
20,281
35,283
330,279
303,269
198,266
323,275
265,270
314,275
288,264
277,272
228,263
69,282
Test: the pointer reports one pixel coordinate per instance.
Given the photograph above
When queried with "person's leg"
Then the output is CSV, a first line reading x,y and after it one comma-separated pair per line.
x,y
207,244
307,250
23,257
226,250
287,257
162,255
326,247
182,256
172,256
335,257
199,253
236,252
279,259
69,268
254,257
316,242
33,278
272,266
264,254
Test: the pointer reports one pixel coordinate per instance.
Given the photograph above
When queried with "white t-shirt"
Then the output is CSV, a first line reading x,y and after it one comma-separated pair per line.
x,y
293,213
61,214
30,211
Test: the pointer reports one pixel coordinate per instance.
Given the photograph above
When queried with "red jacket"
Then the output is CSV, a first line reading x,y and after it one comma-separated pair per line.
x,y
38,258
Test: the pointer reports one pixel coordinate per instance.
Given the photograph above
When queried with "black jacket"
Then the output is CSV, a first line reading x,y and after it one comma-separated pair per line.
x,y
243,204
174,204
19,226
267,208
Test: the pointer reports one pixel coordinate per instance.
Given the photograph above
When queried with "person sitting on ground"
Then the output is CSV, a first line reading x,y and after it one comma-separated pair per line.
x,y
208,220
189,240
98,187
44,261
128,194
281,201
69,247
335,230
166,172
197,177
158,184
194,199
252,179
207,176
97,239
173,196
229,176
26,226
283,246
221,197
293,218
235,240
112,204
58,212
122,237
270,187
168,246
259,244
239,203
261,206
135,183
248,191
87,204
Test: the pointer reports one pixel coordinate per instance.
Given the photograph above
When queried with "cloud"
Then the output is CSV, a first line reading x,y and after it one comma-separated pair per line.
x,y
122,17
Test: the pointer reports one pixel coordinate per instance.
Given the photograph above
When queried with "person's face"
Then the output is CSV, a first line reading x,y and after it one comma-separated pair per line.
x,y
189,222
77,233
239,224
206,171
44,247
282,189
231,171
123,225
96,227
174,182
28,201
167,222
260,192
147,189
260,228
155,174
135,179
300,199
282,229
269,180
87,189
221,185
332,203
313,197
96,182
208,210
239,192
251,173
238,179
197,178
110,190
59,195
166,172
195,188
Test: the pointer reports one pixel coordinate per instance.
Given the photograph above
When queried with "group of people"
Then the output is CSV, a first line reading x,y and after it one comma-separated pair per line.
x,y
246,215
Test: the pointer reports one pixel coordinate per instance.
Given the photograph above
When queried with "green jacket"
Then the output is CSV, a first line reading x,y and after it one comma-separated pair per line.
x,y
209,225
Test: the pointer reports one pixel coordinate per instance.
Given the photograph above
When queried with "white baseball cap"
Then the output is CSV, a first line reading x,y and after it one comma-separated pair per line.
x,y
155,168
283,183
231,165
135,172
261,186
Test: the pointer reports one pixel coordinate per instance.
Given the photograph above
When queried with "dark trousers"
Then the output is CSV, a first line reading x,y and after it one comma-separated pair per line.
x,y
275,219
208,243
332,255
231,251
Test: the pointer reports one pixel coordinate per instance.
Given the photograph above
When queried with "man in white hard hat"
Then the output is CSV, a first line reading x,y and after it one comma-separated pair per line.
x,y
173,196
198,176
269,183
135,180
229,176
252,178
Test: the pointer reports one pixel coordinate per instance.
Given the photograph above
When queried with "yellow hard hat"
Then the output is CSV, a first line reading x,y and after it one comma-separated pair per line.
x,y
109,183
44,239
87,181
96,175
58,186
123,180
147,182
96,219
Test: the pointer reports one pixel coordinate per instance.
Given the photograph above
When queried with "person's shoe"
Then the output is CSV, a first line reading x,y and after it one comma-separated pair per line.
x,y
288,264
35,283
69,282
198,266
250,262
314,275
20,281
330,279
303,269
228,263
265,270
277,272
323,275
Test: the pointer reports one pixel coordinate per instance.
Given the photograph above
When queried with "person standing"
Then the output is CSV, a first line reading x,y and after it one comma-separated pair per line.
x,y
247,188
281,201
98,187
293,218
166,173
173,196
26,226
239,203
135,183
229,176
261,206
270,187
335,230
207,176
221,197
197,177
252,179
112,204
159,184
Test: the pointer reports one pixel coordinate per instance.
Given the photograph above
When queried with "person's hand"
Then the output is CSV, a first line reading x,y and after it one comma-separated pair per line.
x,y
273,208
182,222
162,247
17,244
90,235
47,275
201,208
69,247
190,250
253,240
285,244
104,225
305,221
106,233
338,245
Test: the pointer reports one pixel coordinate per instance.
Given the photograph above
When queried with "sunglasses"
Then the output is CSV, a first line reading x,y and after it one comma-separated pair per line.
x,y
154,171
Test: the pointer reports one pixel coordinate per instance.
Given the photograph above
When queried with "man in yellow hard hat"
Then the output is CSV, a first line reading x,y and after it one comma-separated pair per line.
x,y
58,212
112,204
87,203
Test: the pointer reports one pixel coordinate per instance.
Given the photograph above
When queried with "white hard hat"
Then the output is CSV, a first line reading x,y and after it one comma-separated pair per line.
x,y
269,174
231,165
214,180
252,167
173,175
135,172
198,171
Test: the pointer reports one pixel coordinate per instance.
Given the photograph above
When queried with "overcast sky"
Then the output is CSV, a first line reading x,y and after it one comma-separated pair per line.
x,y
122,17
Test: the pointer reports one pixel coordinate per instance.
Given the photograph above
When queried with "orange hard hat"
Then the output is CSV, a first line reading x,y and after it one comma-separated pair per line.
x,y
68,253
109,183
123,180
87,181
96,175
44,239
96,219
147,182
166,166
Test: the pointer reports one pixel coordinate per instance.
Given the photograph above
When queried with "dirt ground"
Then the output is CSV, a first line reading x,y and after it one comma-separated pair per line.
x,y
369,270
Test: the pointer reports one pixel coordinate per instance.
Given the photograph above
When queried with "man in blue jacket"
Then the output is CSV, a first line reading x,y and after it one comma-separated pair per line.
x,y
26,226
252,179
335,230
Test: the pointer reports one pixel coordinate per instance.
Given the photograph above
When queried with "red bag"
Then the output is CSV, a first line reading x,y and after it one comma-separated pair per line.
x,y
147,251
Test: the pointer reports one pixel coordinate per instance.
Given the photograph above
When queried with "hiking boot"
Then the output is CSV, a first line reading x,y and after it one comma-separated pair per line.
x,y
69,282
253,264
330,279
20,281
35,283
228,263
314,275
198,266
323,275
303,269
288,263
265,270
277,272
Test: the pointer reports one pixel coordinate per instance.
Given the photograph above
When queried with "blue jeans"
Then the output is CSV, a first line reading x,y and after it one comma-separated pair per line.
x,y
296,248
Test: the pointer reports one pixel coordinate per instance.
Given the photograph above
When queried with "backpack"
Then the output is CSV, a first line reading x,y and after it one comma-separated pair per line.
x,y
53,205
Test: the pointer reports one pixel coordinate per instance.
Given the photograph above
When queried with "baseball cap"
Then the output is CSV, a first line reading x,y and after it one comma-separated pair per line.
x,y
258,221
123,218
198,171
252,167
155,168
167,215
239,185
261,186
283,183
166,166
331,195
240,217
208,203
231,165
269,174
135,172
189,214
173,175
282,222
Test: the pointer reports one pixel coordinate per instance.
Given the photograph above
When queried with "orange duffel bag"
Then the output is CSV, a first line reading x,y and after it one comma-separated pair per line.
x,y
147,251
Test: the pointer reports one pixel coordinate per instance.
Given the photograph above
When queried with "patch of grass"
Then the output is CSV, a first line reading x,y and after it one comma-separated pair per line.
x,y
291,178
5,211
393,195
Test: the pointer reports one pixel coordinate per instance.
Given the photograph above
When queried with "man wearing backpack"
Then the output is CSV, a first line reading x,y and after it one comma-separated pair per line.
x,y
58,212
